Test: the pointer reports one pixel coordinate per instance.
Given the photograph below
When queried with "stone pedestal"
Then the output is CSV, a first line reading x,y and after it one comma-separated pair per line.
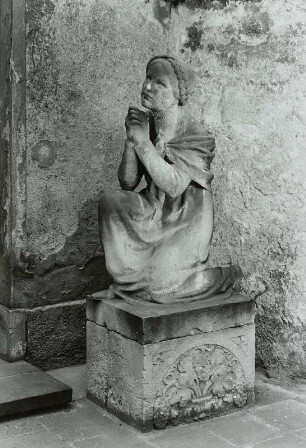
x,y
155,365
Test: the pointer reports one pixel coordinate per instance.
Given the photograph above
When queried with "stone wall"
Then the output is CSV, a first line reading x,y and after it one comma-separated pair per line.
x,y
5,94
12,172
84,63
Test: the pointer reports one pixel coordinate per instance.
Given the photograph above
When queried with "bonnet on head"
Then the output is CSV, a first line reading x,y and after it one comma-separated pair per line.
x,y
184,75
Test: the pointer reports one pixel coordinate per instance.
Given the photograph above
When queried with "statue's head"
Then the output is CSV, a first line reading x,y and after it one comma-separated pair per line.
x,y
168,82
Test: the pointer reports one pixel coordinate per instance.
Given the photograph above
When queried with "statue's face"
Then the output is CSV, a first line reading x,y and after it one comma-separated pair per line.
x,y
160,88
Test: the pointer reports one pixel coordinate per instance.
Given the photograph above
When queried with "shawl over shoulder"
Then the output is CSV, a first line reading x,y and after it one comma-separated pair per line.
x,y
191,151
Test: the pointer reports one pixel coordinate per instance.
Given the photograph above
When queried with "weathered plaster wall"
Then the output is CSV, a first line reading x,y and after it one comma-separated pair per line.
x,y
250,60
85,63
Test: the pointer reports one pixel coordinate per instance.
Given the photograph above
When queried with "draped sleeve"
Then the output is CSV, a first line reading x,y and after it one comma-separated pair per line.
x,y
193,153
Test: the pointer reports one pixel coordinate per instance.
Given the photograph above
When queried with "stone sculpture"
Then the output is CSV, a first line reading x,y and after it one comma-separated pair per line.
x,y
188,359
157,241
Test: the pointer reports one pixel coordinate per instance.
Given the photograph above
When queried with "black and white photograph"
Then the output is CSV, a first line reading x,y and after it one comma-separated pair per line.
x,y
152,223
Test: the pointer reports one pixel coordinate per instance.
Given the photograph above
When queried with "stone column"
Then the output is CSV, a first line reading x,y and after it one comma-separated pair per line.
x,y
12,171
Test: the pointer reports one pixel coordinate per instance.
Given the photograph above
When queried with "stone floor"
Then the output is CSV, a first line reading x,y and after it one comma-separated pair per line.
x,y
25,388
277,421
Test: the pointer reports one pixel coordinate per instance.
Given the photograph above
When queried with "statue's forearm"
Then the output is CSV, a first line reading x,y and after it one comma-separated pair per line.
x,y
129,172
167,177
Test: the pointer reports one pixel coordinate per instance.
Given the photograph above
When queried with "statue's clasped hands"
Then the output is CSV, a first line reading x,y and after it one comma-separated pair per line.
x,y
137,126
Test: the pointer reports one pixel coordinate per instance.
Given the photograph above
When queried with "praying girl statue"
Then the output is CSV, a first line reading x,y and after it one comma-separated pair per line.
x,y
156,241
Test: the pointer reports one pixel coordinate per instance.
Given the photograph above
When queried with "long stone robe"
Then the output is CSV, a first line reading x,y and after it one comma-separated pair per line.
x,y
156,246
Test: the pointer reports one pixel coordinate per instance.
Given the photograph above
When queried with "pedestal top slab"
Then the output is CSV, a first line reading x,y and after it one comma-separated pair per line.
x,y
148,323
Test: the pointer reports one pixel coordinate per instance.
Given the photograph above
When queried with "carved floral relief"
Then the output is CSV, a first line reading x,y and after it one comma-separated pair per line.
x,y
203,381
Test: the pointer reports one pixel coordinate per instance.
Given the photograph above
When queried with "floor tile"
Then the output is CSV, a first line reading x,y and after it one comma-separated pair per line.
x,y
300,399
29,384
84,420
31,391
301,433
19,427
288,414
75,377
241,428
191,436
287,441
269,394
114,442
15,368
42,439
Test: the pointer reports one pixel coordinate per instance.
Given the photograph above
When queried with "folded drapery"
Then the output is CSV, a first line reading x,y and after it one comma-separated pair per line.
x,y
157,246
